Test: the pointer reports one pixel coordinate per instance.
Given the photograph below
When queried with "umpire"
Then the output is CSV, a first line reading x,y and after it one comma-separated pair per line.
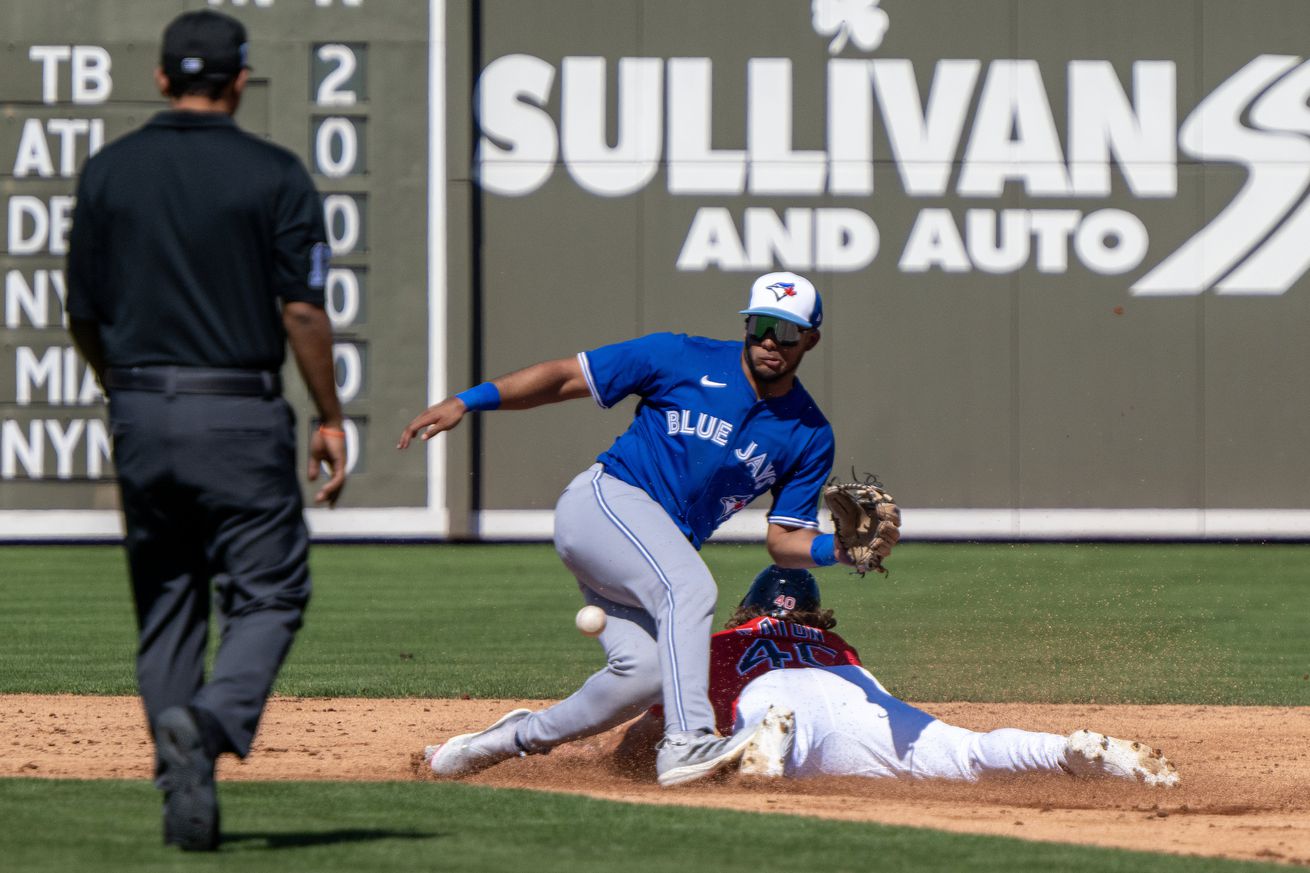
x,y
197,252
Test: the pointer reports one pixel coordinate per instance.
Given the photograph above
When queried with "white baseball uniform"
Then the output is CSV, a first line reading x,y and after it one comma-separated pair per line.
x,y
847,723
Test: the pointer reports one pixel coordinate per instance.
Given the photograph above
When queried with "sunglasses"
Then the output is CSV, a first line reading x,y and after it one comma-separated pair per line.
x,y
785,333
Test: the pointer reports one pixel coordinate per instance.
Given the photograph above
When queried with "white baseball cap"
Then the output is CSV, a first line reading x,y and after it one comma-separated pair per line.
x,y
786,296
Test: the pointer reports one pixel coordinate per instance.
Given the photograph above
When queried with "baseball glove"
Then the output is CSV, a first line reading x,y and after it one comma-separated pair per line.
x,y
867,521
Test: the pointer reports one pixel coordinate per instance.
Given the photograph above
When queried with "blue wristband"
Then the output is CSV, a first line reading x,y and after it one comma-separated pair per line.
x,y
823,550
481,397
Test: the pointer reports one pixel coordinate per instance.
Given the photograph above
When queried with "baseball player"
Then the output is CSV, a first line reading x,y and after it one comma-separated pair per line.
x,y
779,663
719,424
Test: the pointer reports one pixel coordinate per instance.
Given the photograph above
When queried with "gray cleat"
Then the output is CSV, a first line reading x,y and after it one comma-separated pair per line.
x,y
688,757
472,753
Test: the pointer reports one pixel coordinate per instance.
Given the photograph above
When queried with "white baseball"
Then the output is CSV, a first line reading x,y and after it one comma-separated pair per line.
x,y
590,620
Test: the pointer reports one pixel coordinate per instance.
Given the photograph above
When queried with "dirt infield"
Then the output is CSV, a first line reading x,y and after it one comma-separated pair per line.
x,y
1245,770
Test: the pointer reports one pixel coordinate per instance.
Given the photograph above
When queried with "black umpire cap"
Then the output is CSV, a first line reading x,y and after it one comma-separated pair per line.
x,y
203,45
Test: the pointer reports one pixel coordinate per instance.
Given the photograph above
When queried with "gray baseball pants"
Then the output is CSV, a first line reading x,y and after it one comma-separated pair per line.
x,y
631,560
209,491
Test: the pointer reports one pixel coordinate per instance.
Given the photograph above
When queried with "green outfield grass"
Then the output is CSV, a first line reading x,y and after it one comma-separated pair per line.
x,y
1190,624
287,827
1205,624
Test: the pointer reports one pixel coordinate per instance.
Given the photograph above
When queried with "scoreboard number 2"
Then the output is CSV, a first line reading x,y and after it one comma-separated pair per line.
x,y
339,74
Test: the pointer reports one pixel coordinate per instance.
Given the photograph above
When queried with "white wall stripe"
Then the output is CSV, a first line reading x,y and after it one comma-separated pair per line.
x,y
436,448
1000,524
418,523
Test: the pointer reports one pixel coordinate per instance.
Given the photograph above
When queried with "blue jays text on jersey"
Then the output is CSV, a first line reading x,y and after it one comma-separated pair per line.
x,y
701,443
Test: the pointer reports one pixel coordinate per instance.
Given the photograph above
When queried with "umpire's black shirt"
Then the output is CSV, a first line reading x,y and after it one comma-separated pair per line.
x,y
185,234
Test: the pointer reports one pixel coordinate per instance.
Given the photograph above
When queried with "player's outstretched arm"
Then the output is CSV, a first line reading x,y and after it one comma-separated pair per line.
x,y
792,547
547,382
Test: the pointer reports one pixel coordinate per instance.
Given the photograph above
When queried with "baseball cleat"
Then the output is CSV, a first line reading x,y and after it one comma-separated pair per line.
x,y
472,753
766,753
1087,753
187,780
686,758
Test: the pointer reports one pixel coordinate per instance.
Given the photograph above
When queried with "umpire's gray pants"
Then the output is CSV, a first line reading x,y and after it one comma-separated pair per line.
x,y
209,491
633,562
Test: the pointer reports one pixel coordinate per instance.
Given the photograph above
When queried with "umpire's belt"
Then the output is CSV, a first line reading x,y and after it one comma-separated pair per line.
x,y
195,380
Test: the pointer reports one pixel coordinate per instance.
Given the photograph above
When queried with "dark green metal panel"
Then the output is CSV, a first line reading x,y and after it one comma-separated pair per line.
x,y
342,84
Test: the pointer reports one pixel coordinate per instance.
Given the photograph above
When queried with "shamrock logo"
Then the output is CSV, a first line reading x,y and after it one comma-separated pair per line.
x,y
860,21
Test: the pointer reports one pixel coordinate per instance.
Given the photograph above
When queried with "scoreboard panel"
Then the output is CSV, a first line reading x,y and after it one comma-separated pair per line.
x,y
348,85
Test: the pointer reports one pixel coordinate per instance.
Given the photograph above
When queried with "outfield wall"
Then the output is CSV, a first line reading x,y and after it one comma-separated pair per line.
x,y
1061,244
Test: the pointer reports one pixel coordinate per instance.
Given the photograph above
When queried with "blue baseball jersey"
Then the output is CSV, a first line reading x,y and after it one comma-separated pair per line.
x,y
701,443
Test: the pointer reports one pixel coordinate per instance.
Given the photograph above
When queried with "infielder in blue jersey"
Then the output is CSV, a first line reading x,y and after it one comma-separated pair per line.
x,y
719,423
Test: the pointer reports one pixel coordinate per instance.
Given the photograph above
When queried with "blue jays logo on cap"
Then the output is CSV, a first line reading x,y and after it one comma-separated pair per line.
x,y
783,289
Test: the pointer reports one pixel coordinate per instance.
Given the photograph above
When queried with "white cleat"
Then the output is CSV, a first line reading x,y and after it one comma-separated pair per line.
x,y
472,753
685,759
766,754
1087,753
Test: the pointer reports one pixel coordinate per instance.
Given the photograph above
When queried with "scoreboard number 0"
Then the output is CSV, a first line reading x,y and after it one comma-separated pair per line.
x,y
337,149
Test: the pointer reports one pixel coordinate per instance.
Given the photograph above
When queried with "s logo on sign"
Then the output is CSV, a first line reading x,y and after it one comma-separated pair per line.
x,y
1257,119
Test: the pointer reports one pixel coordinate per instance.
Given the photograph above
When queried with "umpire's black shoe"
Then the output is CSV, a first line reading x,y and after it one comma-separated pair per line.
x,y
187,780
